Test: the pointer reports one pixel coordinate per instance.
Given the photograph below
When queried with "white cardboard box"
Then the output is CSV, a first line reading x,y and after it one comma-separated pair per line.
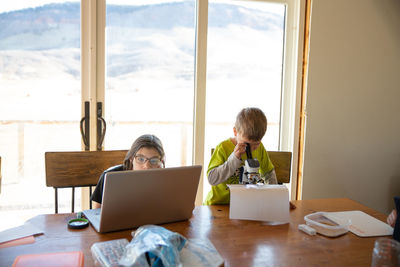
x,y
259,202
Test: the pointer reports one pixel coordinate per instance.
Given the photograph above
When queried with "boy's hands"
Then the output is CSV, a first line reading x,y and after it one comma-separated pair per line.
x,y
240,148
391,219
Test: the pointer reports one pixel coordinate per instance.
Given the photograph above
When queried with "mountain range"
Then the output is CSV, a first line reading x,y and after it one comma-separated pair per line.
x,y
59,24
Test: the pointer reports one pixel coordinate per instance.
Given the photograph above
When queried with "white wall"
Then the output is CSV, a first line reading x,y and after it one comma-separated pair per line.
x,y
352,146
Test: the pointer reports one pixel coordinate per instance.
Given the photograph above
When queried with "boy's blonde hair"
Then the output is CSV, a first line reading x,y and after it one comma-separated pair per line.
x,y
251,123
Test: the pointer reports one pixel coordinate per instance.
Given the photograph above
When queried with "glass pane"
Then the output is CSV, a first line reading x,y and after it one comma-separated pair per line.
x,y
39,100
244,68
150,75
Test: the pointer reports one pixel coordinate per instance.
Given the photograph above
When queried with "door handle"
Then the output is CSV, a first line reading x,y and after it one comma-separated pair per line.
x,y
101,126
85,130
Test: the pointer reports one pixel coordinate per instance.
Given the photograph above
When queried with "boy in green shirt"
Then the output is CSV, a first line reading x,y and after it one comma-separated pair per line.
x,y
229,155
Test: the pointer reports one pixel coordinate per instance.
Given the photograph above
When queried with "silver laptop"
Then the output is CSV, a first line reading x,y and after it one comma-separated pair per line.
x,y
155,196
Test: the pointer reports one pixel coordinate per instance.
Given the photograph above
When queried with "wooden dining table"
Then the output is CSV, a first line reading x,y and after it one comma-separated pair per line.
x,y
239,242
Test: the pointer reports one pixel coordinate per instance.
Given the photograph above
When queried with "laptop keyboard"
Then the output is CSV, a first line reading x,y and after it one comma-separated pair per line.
x,y
93,216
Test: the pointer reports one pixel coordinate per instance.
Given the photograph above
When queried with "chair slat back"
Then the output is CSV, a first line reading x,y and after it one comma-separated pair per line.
x,y
282,162
81,168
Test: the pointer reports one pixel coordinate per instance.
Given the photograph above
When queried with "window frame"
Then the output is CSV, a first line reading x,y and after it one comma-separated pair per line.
x,y
93,18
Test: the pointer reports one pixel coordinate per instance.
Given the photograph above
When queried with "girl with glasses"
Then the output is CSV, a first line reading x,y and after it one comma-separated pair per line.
x,y
146,152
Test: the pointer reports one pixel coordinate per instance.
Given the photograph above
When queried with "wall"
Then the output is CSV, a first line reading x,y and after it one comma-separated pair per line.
x,y
352,146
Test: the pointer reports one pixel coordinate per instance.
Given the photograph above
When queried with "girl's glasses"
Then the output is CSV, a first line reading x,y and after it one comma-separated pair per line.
x,y
153,161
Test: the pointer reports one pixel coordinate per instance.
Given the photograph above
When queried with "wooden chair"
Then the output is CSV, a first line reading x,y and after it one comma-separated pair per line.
x,y
78,169
282,161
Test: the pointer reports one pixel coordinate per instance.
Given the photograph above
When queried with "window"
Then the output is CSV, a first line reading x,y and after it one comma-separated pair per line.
x,y
247,57
150,75
244,65
147,84
40,99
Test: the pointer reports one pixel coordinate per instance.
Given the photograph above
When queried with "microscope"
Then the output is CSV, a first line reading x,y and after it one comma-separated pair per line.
x,y
250,174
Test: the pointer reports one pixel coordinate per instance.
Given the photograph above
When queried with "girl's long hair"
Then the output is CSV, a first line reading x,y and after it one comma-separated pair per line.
x,y
146,140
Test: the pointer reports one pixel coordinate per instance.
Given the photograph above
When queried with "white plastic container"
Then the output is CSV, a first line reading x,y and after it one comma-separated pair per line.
x,y
326,224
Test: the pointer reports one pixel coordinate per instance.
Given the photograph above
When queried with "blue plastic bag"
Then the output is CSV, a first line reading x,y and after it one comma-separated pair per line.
x,y
153,246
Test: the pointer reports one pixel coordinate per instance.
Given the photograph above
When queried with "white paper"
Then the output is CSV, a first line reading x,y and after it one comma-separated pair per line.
x,y
362,224
24,230
259,202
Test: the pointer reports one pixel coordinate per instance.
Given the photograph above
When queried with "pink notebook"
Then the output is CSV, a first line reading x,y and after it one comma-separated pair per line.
x,y
60,259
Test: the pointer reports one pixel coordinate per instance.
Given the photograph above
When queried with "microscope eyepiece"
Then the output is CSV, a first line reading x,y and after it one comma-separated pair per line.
x,y
248,151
